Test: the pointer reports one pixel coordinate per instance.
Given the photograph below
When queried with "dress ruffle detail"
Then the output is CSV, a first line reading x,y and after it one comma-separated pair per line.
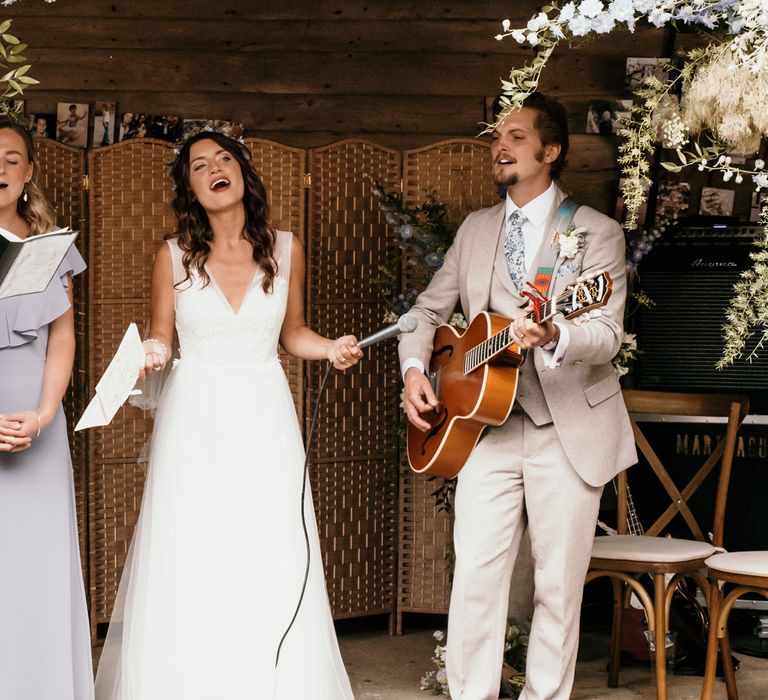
x,y
22,316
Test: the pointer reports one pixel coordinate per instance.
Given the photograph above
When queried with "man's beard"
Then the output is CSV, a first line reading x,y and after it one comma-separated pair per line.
x,y
512,179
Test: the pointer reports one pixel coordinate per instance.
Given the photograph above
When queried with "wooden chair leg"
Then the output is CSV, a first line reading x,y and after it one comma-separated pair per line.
x,y
660,629
728,670
618,610
710,670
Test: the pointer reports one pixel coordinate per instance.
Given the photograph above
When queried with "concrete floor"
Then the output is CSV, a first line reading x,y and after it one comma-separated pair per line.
x,y
384,667
389,668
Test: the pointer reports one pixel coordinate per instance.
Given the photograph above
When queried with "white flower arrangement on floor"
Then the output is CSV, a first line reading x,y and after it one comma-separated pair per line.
x,y
725,87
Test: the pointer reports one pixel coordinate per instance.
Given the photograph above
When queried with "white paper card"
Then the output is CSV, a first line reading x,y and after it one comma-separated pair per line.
x,y
117,383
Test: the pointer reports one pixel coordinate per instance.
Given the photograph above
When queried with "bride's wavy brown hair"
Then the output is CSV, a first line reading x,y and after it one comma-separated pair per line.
x,y
36,210
194,229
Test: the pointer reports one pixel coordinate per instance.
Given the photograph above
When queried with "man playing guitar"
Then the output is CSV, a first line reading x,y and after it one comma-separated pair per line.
x,y
568,432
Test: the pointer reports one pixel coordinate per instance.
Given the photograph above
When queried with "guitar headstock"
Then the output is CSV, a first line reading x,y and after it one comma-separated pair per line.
x,y
582,298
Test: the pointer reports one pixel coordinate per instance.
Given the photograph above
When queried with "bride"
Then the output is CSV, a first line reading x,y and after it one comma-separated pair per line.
x,y
218,558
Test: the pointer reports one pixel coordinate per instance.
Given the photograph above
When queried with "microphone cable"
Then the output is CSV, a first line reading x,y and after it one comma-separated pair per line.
x,y
315,413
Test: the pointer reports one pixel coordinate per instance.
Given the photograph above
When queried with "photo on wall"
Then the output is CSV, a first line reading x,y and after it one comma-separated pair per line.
x,y
133,125
104,119
759,200
166,127
72,124
13,108
716,202
604,116
639,70
672,199
42,126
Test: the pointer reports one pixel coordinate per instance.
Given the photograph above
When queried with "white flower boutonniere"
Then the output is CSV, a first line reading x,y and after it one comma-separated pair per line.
x,y
571,241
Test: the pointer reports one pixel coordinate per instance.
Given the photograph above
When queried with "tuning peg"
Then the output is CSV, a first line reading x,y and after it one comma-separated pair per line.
x,y
580,279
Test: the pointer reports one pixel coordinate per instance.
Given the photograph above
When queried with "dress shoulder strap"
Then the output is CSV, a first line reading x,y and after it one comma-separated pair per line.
x,y
283,246
176,256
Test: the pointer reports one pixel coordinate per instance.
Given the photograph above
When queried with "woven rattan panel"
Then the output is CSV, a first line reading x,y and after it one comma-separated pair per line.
x,y
459,172
129,215
61,170
354,452
281,169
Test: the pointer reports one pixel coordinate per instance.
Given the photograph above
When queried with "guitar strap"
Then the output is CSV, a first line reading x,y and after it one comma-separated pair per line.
x,y
562,219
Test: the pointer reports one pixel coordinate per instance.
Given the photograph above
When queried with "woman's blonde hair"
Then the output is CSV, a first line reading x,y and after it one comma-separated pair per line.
x,y
36,210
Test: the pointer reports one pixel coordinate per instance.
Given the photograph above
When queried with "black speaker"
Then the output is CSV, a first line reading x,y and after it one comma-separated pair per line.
x,y
690,279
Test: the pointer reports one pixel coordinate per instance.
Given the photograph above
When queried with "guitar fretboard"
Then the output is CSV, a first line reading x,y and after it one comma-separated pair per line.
x,y
482,352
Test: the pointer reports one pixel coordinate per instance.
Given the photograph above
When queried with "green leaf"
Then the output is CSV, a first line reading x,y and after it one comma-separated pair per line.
x,y
673,167
7,76
23,69
10,39
14,59
27,80
5,26
18,48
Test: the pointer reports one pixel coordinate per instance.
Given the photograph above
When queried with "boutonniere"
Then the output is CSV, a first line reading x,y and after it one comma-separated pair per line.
x,y
571,241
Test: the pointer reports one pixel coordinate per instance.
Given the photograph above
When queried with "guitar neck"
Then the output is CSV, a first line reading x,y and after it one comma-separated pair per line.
x,y
498,342
634,526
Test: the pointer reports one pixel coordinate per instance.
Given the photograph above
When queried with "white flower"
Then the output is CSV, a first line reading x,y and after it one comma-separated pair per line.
x,y
506,24
458,321
590,8
621,10
566,14
603,24
518,36
579,25
532,38
571,241
760,180
759,164
438,635
537,22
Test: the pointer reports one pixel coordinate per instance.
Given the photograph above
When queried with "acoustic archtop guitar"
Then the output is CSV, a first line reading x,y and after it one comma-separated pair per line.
x,y
474,376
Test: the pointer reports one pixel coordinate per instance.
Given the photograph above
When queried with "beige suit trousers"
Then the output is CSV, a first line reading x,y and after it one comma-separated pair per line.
x,y
518,473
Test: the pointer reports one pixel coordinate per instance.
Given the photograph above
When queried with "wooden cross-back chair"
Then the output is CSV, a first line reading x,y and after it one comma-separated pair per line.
x,y
625,558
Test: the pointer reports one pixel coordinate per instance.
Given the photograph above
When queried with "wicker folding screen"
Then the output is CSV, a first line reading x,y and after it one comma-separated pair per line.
x,y
281,168
129,216
458,172
62,171
354,453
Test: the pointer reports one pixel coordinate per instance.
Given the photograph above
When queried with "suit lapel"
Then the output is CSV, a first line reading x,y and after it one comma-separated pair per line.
x,y
485,243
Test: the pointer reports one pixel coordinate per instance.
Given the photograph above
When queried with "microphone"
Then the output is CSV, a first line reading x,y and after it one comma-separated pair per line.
x,y
405,324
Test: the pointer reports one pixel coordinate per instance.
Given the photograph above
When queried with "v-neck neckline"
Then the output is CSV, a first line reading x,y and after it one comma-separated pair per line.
x,y
218,288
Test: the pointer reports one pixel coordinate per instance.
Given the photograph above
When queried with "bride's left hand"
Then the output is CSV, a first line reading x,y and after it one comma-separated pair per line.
x,y
344,353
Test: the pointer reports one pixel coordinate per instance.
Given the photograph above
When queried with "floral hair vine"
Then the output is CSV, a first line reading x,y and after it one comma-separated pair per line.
x,y
232,130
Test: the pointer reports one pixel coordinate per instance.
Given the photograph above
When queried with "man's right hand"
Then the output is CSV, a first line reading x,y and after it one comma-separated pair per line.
x,y
418,397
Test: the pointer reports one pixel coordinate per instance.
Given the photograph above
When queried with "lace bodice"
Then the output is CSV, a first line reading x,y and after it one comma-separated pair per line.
x,y
211,333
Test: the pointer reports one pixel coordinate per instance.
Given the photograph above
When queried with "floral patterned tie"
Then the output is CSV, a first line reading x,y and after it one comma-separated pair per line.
x,y
514,248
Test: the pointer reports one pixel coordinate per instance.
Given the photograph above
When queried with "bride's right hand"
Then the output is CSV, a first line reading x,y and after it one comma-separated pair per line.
x,y
155,354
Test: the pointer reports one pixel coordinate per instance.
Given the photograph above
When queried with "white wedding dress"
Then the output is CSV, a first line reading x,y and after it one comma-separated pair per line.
x,y
218,557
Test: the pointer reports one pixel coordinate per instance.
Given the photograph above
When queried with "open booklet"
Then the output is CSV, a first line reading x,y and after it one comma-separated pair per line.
x,y
27,265
117,382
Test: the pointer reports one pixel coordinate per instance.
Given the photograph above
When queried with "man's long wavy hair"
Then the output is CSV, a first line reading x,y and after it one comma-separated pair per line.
x,y
36,210
194,229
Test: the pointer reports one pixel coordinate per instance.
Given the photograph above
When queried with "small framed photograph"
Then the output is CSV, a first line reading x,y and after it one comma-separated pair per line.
x,y
104,118
672,199
167,127
42,126
603,116
72,124
716,202
14,108
133,125
759,200
639,70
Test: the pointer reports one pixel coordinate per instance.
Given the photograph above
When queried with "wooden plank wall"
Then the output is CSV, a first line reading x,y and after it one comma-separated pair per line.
x,y
402,73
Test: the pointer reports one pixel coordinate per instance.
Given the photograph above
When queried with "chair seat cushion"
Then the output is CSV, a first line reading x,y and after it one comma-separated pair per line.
x,y
748,563
653,549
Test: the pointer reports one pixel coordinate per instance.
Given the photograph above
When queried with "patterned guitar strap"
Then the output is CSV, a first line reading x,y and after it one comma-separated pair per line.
x,y
562,219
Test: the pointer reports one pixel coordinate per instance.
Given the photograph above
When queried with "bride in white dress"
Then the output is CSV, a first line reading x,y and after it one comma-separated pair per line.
x,y
218,558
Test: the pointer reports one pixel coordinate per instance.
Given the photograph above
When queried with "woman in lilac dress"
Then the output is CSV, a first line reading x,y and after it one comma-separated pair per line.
x,y
45,649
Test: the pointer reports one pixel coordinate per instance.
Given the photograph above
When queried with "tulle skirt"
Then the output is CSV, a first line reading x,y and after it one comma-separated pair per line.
x,y
218,557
